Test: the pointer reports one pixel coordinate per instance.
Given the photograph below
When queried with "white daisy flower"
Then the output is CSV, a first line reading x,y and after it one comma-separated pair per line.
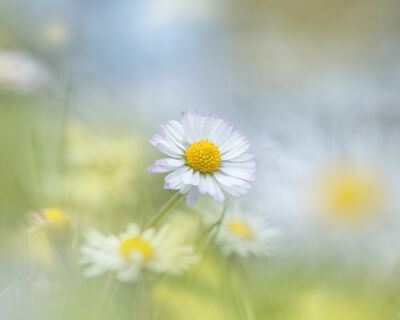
x,y
348,177
158,251
246,234
339,185
206,156
20,72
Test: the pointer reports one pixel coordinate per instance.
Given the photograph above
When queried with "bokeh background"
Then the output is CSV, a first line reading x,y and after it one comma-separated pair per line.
x,y
314,84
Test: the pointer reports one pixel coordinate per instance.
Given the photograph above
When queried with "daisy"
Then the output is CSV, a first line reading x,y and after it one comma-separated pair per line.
x,y
340,187
136,250
205,156
246,234
48,237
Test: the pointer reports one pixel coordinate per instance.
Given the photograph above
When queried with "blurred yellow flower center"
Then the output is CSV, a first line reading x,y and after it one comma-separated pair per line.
x,y
351,194
136,244
55,216
241,229
203,156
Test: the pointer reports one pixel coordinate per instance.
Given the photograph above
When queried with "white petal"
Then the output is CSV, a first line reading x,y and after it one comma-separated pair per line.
x,y
172,136
185,188
239,173
178,173
175,129
227,180
251,165
235,191
174,179
156,139
188,126
210,185
219,195
188,176
196,178
203,184
242,157
165,165
232,142
222,133
192,196
169,150
235,152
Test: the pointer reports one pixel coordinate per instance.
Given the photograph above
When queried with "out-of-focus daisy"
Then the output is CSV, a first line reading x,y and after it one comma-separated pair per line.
x,y
48,235
136,250
48,217
20,72
340,180
339,185
245,233
206,156
348,192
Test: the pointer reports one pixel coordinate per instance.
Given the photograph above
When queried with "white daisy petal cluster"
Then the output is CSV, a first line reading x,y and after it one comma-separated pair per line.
x,y
136,250
206,155
20,72
246,234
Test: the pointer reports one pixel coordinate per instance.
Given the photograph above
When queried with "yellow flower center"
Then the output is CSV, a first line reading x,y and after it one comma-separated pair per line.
x,y
350,194
203,156
55,216
136,244
241,229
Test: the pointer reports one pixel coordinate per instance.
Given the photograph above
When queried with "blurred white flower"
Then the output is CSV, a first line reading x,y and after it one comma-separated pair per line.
x,y
206,156
20,72
137,250
337,187
245,233
48,233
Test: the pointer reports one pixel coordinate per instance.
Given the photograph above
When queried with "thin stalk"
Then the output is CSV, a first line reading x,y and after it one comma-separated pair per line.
x,y
164,209
216,225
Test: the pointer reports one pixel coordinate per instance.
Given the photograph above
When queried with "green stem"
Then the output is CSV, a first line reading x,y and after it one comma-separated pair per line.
x,y
164,209
216,224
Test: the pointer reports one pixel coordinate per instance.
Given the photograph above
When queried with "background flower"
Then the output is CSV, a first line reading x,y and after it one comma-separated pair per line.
x,y
244,232
133,251
339,185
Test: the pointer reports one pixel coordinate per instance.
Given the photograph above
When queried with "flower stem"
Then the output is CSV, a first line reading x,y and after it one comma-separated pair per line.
x,y
217,224
164,209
